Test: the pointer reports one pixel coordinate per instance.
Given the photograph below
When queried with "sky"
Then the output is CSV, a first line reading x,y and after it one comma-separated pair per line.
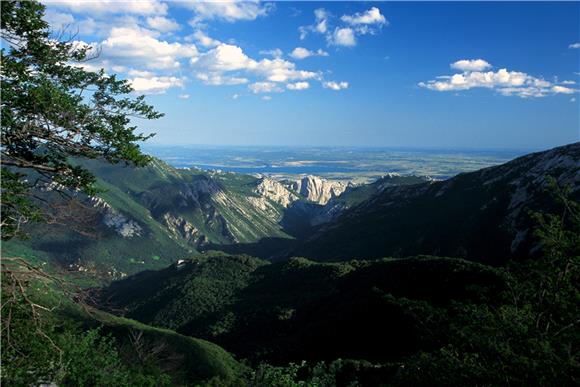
x,y
488,75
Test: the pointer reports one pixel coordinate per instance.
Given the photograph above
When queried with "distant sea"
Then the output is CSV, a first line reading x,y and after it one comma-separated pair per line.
x,y
332,162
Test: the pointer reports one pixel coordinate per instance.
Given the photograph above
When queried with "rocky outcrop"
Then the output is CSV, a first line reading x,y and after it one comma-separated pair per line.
x,y
275,191
316,189
112,218
181,227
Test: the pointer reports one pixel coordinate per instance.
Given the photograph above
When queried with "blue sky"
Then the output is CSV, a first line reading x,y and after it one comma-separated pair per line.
x,y
453,75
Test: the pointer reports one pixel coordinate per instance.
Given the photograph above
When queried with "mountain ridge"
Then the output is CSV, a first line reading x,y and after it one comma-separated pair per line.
x,y
454,217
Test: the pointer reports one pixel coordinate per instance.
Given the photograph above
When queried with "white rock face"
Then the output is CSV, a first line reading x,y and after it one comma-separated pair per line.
x,y
275,191
181,227
124,226
316,189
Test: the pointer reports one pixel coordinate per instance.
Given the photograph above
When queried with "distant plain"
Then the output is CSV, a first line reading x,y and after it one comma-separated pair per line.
x,y
354,164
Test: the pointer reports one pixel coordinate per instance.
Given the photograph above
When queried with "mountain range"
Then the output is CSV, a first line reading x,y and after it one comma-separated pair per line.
x,y
229,278
149,217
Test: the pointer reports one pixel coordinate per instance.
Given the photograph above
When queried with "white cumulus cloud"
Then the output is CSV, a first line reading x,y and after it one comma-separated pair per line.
x,y
320,25
134,47
574,45
227,58
265,87
368,22
508,83
155,85
162,24
203,39
217,79
562,89
342,37
274,53
372,16
302,53
228,10
137,7
58,20
470,65
298,86
335,85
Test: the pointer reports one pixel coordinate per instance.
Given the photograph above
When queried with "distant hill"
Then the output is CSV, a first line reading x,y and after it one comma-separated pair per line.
x,y
482,215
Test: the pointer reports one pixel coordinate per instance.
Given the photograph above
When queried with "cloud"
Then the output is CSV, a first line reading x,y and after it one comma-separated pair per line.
x,y
58,20
227,58
155,85
217,79
267,98
279,70
320,24
370,17
298,86
224,57
301,53
574,45
508,83
361,23
183,96
321,20
335,85
135,47
470,65
162,24
136,7
568,82
227,10
265,87
203,39
342,37
148,63
275,53
228,64
562,89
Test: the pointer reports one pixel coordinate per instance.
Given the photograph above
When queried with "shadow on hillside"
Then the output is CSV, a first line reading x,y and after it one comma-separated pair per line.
x,y
265,248
297,218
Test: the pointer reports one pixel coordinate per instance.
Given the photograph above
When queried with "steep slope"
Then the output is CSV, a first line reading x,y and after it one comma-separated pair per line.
x,y
147,218
299,309
482,215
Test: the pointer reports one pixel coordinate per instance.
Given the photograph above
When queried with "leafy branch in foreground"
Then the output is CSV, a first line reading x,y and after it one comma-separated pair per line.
x,y
54,110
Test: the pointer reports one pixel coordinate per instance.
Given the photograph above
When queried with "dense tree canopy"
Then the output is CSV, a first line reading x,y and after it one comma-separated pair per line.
x,y
54,110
